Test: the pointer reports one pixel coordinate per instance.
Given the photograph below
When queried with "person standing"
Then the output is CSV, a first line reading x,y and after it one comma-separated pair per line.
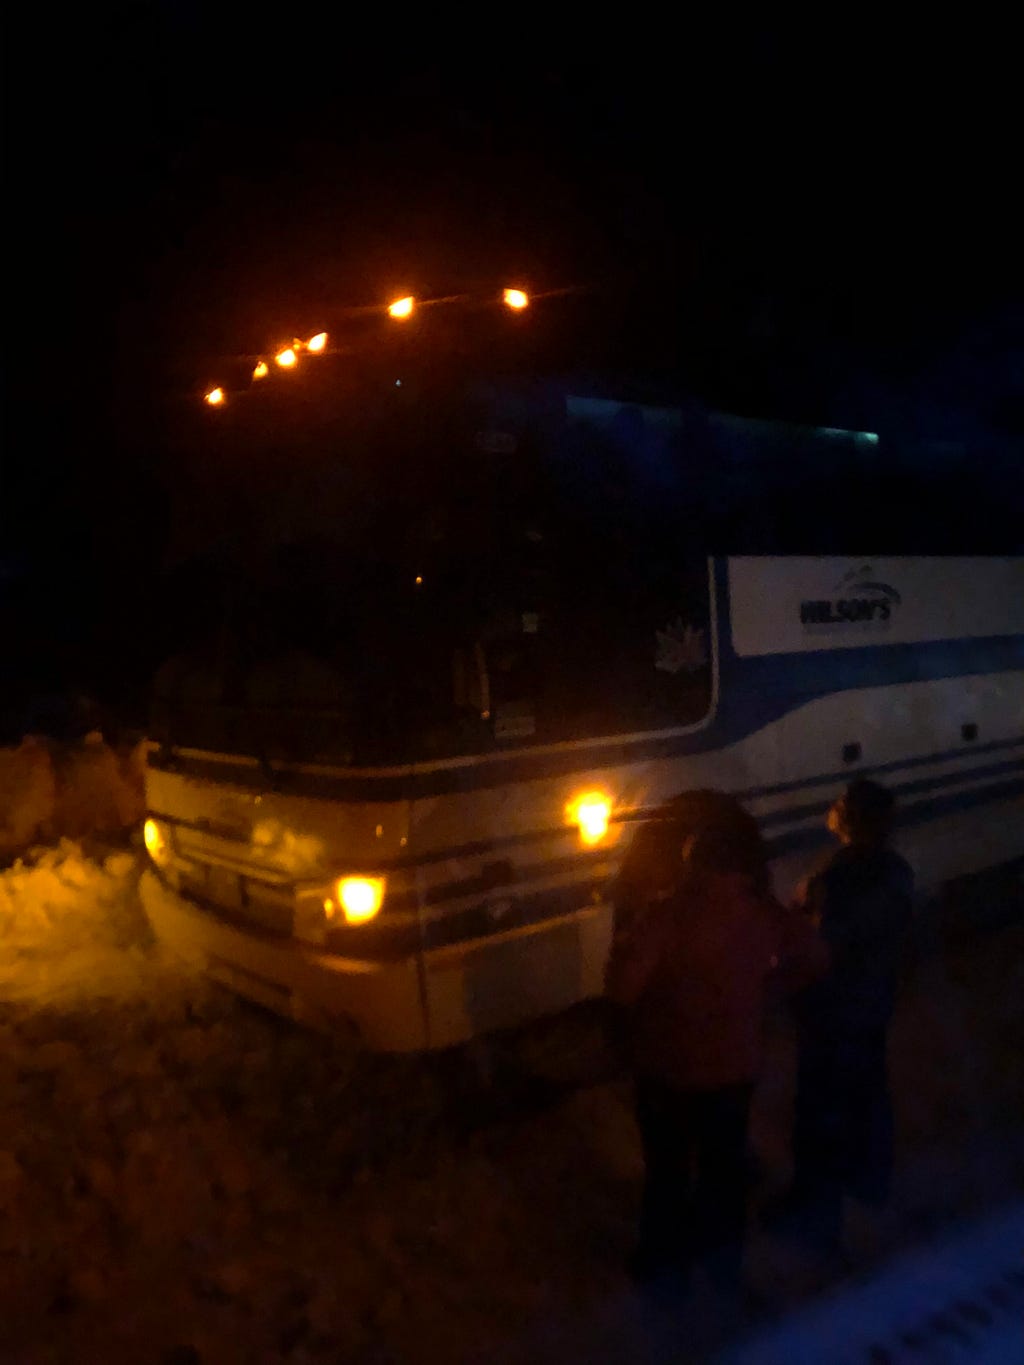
x,y
691,977
862,903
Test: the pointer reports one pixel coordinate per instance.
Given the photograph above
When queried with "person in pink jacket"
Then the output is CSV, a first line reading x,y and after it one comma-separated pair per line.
x,y
692,975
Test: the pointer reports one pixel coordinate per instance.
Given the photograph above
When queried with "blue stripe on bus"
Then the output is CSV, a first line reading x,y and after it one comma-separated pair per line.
x,y
479,922
875,769
899,790
781,842
919,813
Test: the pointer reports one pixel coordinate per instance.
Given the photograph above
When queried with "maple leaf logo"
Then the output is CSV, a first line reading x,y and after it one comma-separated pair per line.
x,y
680,648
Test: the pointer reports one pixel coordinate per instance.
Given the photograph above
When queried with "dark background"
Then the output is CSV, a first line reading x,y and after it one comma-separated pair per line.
x,y
812,225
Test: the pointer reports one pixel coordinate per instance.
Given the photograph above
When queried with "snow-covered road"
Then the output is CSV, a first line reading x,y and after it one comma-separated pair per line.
x,y
185,1179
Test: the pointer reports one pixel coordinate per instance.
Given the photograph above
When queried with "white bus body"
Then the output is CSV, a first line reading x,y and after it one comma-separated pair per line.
x,y
496,911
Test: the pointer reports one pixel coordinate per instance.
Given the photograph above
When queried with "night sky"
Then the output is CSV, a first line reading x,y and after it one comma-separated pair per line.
x,y
787,225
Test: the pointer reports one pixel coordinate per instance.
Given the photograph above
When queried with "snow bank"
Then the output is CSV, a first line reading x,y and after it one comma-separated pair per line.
x,y
50,790
71,929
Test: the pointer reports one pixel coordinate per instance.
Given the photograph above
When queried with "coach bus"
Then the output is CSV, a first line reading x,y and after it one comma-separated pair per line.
x,y
390,786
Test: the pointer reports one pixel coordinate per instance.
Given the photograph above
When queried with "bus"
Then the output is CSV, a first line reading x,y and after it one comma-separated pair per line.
x,y
422,706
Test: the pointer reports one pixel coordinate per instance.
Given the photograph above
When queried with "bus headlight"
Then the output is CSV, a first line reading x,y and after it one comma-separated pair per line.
x,y
360,898
592,812
157,838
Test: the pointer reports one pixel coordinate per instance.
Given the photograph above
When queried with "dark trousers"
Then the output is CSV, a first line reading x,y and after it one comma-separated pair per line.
x,y
694,1205
843,1133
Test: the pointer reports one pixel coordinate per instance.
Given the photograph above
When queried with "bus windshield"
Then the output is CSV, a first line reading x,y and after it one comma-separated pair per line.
x,y
484,582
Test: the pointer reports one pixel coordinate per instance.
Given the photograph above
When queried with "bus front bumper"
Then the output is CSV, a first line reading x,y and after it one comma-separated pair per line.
x,y
381,1001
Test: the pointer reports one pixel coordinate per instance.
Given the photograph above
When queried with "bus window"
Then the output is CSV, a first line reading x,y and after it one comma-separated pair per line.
x,y
630,648
623,649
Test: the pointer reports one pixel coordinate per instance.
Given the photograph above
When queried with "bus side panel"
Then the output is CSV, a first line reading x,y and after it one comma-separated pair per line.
x,y
869,727
958,807
513,908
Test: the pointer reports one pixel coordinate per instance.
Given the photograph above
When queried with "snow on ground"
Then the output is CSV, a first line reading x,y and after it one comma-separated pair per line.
x,y
186,1179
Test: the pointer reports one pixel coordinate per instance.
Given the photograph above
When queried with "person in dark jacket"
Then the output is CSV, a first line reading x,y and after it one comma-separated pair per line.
x,y
692,976
862,903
